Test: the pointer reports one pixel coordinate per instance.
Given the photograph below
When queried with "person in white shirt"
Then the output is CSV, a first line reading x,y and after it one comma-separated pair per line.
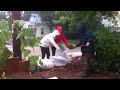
x,y
47,41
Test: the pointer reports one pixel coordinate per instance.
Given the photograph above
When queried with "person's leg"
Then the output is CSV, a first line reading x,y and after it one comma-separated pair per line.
x,y
48,52
43,51
87,57
53,51
91,57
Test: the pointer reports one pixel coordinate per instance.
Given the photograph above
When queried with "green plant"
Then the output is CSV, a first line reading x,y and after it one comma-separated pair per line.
x,y
27,39
108,51
5,35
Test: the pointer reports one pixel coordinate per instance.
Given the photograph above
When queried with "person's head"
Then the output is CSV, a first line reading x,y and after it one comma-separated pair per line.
x,y
59,28
81,28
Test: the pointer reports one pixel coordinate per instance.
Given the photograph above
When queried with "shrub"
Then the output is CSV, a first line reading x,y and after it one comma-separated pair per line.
x,y
107,51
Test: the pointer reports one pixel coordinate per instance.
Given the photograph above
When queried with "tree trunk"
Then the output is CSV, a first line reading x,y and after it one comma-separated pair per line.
x,y
16,43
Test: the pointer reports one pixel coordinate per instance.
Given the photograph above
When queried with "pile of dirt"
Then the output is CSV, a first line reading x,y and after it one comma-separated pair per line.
x,y
71,71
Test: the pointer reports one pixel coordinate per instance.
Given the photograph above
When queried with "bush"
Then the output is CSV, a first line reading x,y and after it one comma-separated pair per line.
x,y
107,51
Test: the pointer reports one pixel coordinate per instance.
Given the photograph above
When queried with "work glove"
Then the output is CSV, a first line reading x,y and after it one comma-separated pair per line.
x,y
70,47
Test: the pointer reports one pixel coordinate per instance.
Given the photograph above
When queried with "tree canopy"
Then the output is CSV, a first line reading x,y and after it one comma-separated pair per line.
x,y
71,19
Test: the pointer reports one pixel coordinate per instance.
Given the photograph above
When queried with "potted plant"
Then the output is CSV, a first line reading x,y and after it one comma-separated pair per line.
x,y
25,34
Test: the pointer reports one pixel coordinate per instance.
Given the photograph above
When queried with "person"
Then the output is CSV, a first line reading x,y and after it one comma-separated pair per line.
x,y
47,41
59,39
86,43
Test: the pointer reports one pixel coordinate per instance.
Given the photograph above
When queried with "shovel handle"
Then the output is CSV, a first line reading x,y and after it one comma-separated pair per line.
x,y
82,45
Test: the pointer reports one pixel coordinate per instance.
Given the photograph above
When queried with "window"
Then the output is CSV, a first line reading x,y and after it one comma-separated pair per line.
x,y
42,30
34,31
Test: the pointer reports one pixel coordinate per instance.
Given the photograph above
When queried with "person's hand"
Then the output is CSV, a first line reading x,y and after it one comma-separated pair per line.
x,y
59,49
71,46
88,43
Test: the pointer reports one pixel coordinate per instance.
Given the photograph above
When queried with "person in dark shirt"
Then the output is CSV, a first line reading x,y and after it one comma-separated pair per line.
x,y
86,43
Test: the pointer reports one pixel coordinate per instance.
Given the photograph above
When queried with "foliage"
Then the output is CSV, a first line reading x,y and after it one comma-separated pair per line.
x,y
48,16
5,35
33,60
73,42
27,39
108,51
71,19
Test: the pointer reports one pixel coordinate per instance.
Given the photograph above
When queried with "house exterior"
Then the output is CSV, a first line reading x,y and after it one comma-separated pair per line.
x,y
40,29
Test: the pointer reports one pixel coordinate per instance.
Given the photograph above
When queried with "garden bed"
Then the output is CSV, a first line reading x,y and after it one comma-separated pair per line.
x,y
70,71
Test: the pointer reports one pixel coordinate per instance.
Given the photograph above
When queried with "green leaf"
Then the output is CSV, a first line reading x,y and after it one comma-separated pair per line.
x,y
33,61
7,53
20,35
25,42
21,23
7,35
2,43
22,47
33,42
1,50
33,58
4,56
26,52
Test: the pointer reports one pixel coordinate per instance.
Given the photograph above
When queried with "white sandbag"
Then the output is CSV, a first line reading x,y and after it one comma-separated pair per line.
x,y
47,64
58,61
74,54
62,58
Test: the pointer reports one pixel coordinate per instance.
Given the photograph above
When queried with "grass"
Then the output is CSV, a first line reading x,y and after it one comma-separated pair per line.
x,y
73,42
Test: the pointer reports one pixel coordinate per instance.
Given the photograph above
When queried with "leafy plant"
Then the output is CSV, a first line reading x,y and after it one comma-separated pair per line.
x,y
33,60
27,39
108,51
71,19
5,35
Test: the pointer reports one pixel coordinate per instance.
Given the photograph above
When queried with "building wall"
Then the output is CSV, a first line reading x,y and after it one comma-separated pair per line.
x,y
46,30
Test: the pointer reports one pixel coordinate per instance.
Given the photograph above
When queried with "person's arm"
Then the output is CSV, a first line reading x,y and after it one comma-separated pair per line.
x,y
90,38
64,39
54,43
79,44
